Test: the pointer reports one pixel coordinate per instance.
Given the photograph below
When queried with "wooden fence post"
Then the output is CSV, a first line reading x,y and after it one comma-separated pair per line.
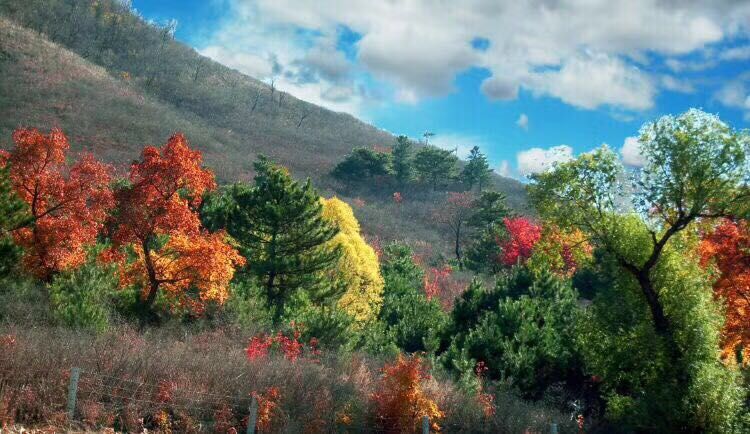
x,y
252,418
425,425
75,374
553,428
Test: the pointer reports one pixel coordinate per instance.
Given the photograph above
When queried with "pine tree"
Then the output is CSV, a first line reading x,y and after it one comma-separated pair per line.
x,y
487,222
477,170
282,233
402,160
435,166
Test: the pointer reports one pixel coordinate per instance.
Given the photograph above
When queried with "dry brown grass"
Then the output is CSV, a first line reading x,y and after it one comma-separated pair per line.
x,y
203,382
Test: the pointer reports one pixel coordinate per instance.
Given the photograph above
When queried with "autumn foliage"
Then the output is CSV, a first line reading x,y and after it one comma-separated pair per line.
x,y
523,235
560,252
158,222
728,248
357,269
287,344
68,203
401,401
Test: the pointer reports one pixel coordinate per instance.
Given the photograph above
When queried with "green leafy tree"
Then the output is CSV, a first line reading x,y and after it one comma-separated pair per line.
x,y
361,164
641,383
403,170
435,166
696,168
82,298
523,330
280,229
13,214
477,170
487,223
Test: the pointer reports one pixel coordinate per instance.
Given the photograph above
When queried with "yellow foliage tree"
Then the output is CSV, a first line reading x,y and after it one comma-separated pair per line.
x,y
357,269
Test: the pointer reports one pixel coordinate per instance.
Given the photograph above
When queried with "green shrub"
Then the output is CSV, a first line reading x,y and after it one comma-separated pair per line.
x,y
523,331
81,298
407,317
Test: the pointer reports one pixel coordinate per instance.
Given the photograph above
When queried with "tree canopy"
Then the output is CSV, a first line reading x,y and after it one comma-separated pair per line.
x,y
279,225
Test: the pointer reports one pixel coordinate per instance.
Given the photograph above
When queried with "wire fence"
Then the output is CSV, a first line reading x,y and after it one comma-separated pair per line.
x,y
92,394
92,399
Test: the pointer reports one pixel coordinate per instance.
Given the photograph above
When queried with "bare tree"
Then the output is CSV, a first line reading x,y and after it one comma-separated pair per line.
x,y
255,101
303,117
198,67
273,87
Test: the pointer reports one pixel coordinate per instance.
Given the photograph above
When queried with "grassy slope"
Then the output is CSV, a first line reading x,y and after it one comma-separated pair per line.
x,y
114,115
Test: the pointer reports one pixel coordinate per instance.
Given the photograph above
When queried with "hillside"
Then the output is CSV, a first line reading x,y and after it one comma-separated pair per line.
x,y
117,83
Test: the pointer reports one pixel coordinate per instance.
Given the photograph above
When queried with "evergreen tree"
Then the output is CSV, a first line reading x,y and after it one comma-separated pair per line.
x,y
282,233
487,222
435,166
13,214
408,318
402,160
523,330
361,164
477,171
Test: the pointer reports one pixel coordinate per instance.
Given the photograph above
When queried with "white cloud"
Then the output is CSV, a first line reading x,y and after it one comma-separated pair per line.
x,y
735,94
245,62
736,53
460,142
676,85
523,122
536,160
631,152
583,52
593,80
504,169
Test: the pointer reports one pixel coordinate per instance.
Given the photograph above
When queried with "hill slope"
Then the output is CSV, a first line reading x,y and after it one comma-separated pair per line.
x,y
114,83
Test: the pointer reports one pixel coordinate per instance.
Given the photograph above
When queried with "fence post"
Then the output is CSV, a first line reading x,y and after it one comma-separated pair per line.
x,y
425,425
252,418
553,428
75,374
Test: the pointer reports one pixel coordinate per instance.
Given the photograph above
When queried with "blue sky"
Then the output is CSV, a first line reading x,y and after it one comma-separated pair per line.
x,y
529,82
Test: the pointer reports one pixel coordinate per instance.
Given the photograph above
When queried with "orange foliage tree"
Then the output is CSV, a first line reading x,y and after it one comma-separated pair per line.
x,y
400,400
560,251
728,247
157,223
68,204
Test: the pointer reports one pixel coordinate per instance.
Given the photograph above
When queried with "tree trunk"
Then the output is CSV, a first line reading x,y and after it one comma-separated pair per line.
x,y
153,281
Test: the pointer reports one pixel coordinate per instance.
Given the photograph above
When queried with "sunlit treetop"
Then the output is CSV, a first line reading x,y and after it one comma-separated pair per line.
x,y
695,165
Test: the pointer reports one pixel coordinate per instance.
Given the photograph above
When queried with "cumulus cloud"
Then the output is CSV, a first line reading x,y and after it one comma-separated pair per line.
x,y
593,80
631,152
537,160
523,122
587,53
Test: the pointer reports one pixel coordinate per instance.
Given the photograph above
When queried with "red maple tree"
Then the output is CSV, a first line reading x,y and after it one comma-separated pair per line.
x,y
68,203
157,220
523,235
728,248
